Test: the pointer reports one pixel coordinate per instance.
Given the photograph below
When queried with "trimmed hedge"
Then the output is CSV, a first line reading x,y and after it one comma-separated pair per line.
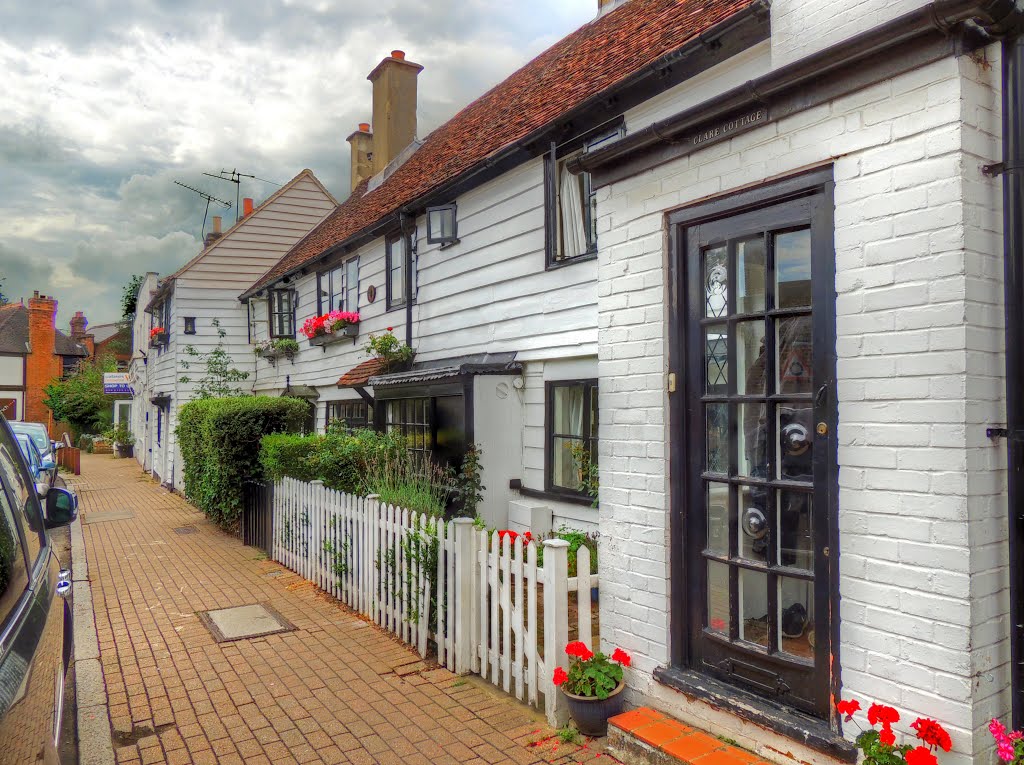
x,y
219,440
341,460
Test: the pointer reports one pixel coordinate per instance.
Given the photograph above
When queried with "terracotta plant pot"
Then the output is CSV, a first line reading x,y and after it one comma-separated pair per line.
x,y
591,713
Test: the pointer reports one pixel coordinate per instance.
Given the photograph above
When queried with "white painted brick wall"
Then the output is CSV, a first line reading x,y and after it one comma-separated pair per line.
x,y
802,27
919,293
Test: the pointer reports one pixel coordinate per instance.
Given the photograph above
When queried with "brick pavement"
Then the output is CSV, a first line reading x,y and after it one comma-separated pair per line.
x,y
335,690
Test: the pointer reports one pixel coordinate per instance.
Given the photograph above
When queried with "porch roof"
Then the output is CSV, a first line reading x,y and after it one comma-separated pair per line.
x,y
452,369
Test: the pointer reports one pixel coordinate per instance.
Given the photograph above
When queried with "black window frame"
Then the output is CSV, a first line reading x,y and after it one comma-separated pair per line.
x,y
444,241
553,163
336,410
190,325
590,391
394,301
326,289
159,423
407,424
273,312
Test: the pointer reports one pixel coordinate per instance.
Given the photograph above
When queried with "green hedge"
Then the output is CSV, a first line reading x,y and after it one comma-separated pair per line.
x,y
219,440
343,461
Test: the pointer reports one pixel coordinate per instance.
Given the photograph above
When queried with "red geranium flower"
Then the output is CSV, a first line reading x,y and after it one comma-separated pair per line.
x,y
560,676
886,736
579,649
848,708
932,733
390,329
621,657
921,756
879,713
507,533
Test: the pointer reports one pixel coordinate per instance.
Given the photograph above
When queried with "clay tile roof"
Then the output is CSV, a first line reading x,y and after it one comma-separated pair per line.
x,y
358,376
587,62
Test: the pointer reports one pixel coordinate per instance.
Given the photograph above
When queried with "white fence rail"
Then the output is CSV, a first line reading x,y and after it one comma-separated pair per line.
x,y
481,599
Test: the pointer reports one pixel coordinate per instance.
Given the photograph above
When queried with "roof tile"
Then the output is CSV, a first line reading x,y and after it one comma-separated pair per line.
x,y
585,63
359,375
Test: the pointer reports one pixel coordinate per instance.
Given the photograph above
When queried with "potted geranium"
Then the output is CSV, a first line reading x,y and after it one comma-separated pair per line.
x,y
1009,744
332,326
157,337
592,686
123,440
880,747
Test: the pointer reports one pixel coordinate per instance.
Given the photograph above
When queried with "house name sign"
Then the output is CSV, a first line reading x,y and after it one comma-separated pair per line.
x,y
730,126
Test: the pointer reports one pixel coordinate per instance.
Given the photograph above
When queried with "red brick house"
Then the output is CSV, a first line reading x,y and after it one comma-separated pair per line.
x,y
33,352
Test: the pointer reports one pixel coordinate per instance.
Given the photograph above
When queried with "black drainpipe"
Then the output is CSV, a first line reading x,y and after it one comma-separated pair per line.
x,y
1013,263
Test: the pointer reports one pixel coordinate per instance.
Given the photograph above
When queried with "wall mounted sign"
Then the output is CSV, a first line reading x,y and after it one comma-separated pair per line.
x,y
371,294
117,382
728,127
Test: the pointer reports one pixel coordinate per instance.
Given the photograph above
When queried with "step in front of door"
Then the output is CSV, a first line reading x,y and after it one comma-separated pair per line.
x,y
644,736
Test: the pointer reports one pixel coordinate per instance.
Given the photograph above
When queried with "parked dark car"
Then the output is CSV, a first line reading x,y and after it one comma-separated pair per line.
x,y
35,620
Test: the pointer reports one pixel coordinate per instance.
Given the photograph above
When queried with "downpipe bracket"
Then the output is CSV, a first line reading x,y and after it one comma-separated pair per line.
x,y
1001,168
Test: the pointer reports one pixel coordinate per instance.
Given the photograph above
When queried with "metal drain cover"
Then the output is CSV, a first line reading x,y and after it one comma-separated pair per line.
x,y
108,515
185,530
243,622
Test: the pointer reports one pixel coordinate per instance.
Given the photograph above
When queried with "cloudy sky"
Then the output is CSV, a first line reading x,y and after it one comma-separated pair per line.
x,y
105,103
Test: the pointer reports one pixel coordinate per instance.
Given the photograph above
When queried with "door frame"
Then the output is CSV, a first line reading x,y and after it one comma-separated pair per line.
x,y
814,182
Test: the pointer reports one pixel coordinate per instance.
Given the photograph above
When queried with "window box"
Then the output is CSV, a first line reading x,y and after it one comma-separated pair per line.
x,y
158,340
327,338
272,350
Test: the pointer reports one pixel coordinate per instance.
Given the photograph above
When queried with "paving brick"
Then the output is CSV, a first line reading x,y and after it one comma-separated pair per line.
x,y
334,690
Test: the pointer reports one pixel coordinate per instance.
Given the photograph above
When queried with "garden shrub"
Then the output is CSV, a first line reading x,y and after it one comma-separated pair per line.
x,y
219,440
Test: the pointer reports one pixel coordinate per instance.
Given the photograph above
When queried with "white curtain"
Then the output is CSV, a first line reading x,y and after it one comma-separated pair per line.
x,y
568,422
573,236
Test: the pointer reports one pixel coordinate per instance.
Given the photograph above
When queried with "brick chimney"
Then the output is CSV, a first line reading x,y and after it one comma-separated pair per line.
x,y
216,234
362,154
603,6
78,325
394,107
42,365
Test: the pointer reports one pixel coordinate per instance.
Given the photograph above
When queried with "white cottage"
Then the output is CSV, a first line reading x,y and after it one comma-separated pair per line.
x,y
804,492
200,300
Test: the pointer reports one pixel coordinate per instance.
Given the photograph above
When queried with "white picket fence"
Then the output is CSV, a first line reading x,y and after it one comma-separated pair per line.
x,y
405,571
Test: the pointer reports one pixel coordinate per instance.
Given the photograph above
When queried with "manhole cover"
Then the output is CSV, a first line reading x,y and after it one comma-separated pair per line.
x,y
108,515
185,530
243,622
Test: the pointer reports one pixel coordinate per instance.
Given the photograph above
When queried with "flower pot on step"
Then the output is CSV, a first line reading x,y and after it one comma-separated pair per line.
x,y
591,713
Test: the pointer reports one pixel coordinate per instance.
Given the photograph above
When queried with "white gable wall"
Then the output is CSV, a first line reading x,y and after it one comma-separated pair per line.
x,y
922,497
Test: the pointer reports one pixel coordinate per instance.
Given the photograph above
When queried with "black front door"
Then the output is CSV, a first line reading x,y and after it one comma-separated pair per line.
x,y
758,428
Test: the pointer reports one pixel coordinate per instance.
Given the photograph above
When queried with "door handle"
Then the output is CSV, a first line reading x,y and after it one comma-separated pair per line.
x,y
819,397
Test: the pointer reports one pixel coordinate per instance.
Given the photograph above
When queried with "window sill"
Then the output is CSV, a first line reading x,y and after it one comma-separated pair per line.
x,y
552,265
813,733
516,484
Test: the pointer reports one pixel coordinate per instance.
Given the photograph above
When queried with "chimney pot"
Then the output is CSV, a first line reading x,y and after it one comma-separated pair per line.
x,y
216,224
246,207
364,127
399,54
35,293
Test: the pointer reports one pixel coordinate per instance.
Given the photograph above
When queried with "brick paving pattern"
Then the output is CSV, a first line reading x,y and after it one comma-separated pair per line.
x,y
335,690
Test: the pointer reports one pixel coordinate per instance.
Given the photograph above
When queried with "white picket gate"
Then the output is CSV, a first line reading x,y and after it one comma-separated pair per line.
x,y
403,570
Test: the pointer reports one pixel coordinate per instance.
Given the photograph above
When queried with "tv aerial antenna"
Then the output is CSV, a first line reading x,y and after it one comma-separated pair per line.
x,y
208,199
235,177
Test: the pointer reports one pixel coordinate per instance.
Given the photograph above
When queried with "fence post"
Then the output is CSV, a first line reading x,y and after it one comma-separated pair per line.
x,y
463,588
556,624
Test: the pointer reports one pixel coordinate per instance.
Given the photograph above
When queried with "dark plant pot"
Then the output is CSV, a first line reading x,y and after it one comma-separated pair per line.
x,y
157,340
350,330
591,713
124,450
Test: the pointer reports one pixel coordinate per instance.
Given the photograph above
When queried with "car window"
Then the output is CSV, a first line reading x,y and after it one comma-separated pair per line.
x,y
37,434
13,572
22,491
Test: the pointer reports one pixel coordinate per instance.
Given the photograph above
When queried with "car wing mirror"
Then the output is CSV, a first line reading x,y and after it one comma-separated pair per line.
x,y
48,464
61,508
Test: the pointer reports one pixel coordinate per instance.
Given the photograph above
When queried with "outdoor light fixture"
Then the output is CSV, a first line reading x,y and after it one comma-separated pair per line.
x,y
442,226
